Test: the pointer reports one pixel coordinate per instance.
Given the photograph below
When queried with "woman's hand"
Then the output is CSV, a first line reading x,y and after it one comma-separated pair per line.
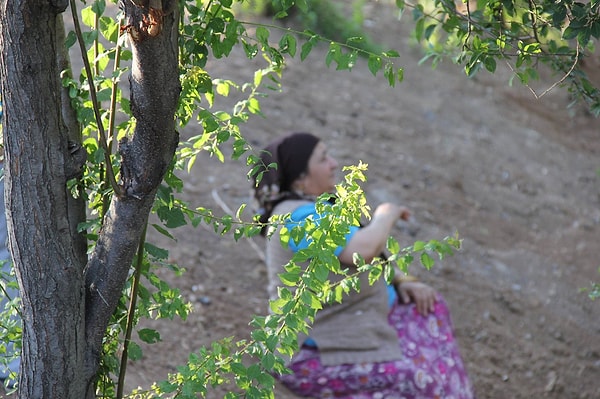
x,y
370,240
392,211
421,294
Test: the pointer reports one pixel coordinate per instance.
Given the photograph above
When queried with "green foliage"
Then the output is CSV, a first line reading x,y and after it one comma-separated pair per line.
x,y
594,290
329,19
10,326
522,34
210,29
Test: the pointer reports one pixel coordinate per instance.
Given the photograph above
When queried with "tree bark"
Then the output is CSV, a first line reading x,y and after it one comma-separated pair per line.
x,y
43,244
145,157
66,303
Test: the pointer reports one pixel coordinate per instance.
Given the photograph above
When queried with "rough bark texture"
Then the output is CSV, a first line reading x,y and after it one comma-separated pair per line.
x,y
145,157
42,242
66,303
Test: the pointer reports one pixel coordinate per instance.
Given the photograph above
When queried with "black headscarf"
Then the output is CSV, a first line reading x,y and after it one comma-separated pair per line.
x,y
291,154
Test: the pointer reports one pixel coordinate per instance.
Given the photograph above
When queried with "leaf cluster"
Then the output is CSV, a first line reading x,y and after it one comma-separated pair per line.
x,y
10,325
523,34
593,291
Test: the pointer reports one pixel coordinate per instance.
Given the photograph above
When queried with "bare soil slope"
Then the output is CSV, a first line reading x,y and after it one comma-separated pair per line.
x,y
515,176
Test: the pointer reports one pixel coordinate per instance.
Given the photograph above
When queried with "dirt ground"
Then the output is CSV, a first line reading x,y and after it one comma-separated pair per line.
x,y
515,176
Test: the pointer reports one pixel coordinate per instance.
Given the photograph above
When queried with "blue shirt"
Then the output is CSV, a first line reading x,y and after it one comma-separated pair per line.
x,y
297,218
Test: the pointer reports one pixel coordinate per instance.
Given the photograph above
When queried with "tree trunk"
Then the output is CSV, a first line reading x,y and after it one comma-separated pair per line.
x,y
67,304
43,245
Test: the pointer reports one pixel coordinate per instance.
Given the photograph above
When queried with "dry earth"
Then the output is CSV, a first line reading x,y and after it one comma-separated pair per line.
x,y
514,175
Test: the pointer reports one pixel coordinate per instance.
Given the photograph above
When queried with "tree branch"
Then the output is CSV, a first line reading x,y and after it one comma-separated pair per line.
x,y
146,155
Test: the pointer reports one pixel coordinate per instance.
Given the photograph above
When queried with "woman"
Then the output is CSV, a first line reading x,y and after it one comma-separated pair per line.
x,y
379,343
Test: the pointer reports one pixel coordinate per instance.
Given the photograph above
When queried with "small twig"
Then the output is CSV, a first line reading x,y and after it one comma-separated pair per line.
x,y
469,25
223,205
534,25
566,75
131,314
97,291
88,71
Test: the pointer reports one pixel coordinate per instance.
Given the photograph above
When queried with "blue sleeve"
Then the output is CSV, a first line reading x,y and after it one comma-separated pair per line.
x,y
392,295
299,216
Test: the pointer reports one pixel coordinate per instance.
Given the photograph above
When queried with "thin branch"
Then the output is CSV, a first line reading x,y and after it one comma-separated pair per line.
x,y
112,110
131,315
225,207
318,37
469,25
565,76
88,70
534,26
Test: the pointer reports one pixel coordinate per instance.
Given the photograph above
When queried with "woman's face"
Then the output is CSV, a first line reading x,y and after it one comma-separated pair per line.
x,y
321,175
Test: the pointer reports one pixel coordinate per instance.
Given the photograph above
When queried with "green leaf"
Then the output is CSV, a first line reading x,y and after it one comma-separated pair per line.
x,y
303,5
88,17
254,105
595,29
333,54
268,361
163,231
427,260
109,29
98,7
172,217
490,64
267,381
400,74
419,246
156,252
238,369
71,39
321,272
429,31
570,33
89,37
134,352
288,44
306,49
262,34
419,28
311,300
290,279
388,273
374,274
374,64
389,74
392,245
149,335
251,50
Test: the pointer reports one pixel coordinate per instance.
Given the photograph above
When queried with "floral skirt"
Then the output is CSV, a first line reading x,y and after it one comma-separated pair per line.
x,y
431,367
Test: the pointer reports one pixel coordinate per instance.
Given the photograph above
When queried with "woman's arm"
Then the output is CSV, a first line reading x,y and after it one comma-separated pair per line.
x,y
369,241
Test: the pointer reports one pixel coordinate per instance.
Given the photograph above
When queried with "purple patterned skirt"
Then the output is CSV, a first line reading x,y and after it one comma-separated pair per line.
x,y
431,367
